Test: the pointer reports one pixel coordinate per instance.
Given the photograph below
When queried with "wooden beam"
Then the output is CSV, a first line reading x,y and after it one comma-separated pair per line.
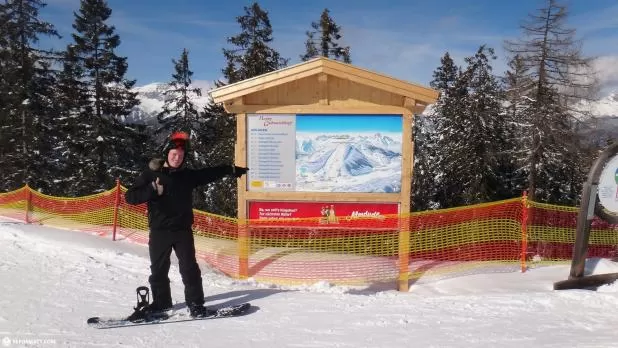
x,y
328,67
323,89
407,152
316,109
240,159
323,196
222,93
419,108
266,81
406,189
409,103
397,87
350,69
236,102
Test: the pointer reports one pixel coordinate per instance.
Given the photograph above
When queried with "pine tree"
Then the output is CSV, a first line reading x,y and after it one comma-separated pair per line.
x,y
249,56
467,146
448,110
98,97
328,45
424,185
517,90
103,70
252,55
551,58
27,82
427,177
487,169
179,112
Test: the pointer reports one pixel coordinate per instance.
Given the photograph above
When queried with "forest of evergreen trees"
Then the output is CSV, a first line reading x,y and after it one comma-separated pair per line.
x,y
63,129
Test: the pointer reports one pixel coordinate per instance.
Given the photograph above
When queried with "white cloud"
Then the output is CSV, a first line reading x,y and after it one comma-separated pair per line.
x,y
607,72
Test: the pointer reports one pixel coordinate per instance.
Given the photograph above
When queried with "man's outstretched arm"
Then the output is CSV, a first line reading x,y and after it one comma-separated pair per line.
x,y
207,175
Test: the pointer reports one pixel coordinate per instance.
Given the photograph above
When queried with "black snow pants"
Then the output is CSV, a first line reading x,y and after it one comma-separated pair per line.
x,y
160,245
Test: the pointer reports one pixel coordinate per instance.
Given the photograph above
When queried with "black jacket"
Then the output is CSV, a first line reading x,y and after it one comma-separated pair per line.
x,y
173,210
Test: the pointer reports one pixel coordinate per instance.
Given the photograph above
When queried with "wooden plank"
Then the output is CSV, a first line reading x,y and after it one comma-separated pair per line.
x,y
264,84
409,103
357,75
222,93
407,164
240,154
407,153
317,109
329,67
235,101
349,93
302,92
323,196
323,89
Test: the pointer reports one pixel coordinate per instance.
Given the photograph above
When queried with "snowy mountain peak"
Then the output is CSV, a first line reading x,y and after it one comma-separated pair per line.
x,y
152,98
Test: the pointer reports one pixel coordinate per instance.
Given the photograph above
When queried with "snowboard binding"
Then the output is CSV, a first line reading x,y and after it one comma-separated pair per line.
x,y
143,297
143,301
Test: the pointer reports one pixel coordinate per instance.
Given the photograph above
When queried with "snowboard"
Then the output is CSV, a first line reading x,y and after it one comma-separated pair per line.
x,y
167,317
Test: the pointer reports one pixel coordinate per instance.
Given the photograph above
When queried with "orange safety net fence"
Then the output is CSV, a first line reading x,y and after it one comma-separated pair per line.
x,y
551,235
457,241
503,236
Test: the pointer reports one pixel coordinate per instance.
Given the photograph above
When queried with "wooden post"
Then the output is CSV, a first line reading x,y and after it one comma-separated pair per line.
x,y
406,189
243,228
28,203
404,252
243,249
524,231
116,208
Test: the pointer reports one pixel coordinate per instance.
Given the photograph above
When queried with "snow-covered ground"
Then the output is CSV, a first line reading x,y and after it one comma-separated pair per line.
x,y
52,280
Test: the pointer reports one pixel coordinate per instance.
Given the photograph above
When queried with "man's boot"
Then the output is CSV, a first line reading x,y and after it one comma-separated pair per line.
x,y
161,299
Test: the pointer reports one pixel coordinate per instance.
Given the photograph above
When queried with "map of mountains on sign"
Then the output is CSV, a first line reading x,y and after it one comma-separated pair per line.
x,y
348,162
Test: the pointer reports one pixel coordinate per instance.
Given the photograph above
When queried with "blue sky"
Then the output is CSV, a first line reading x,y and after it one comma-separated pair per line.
x,y
401,38
355,123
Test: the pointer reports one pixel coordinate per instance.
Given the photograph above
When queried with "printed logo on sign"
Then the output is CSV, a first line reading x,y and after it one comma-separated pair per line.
x,y
6,342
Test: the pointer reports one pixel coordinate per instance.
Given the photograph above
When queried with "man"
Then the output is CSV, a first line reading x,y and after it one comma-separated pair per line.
x,y
167,189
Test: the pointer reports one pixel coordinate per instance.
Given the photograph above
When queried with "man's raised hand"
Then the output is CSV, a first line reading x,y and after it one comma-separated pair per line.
x,y
157,186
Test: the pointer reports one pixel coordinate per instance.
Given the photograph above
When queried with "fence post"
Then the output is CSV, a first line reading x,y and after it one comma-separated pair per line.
x,y
243,249
524,231
116,208
404,252
28,203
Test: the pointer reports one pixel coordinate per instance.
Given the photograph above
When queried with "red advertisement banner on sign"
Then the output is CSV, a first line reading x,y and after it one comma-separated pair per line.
x,y
326,213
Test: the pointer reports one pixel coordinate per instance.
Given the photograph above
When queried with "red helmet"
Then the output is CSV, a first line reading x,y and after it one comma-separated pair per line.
x,y
179,139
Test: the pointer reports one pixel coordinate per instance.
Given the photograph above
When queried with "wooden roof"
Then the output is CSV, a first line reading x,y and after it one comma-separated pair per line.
x,y
322,65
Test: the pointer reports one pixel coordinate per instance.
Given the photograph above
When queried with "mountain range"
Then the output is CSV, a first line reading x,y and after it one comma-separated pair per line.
x,y
152,98
604,122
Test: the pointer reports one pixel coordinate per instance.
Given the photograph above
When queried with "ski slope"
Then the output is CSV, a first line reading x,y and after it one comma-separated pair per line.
x,y
52,280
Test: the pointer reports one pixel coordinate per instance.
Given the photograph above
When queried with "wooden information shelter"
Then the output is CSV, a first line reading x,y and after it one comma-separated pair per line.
x,y
321,89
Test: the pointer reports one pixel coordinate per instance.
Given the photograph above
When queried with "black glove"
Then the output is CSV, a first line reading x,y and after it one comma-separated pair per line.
x,y
240,171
